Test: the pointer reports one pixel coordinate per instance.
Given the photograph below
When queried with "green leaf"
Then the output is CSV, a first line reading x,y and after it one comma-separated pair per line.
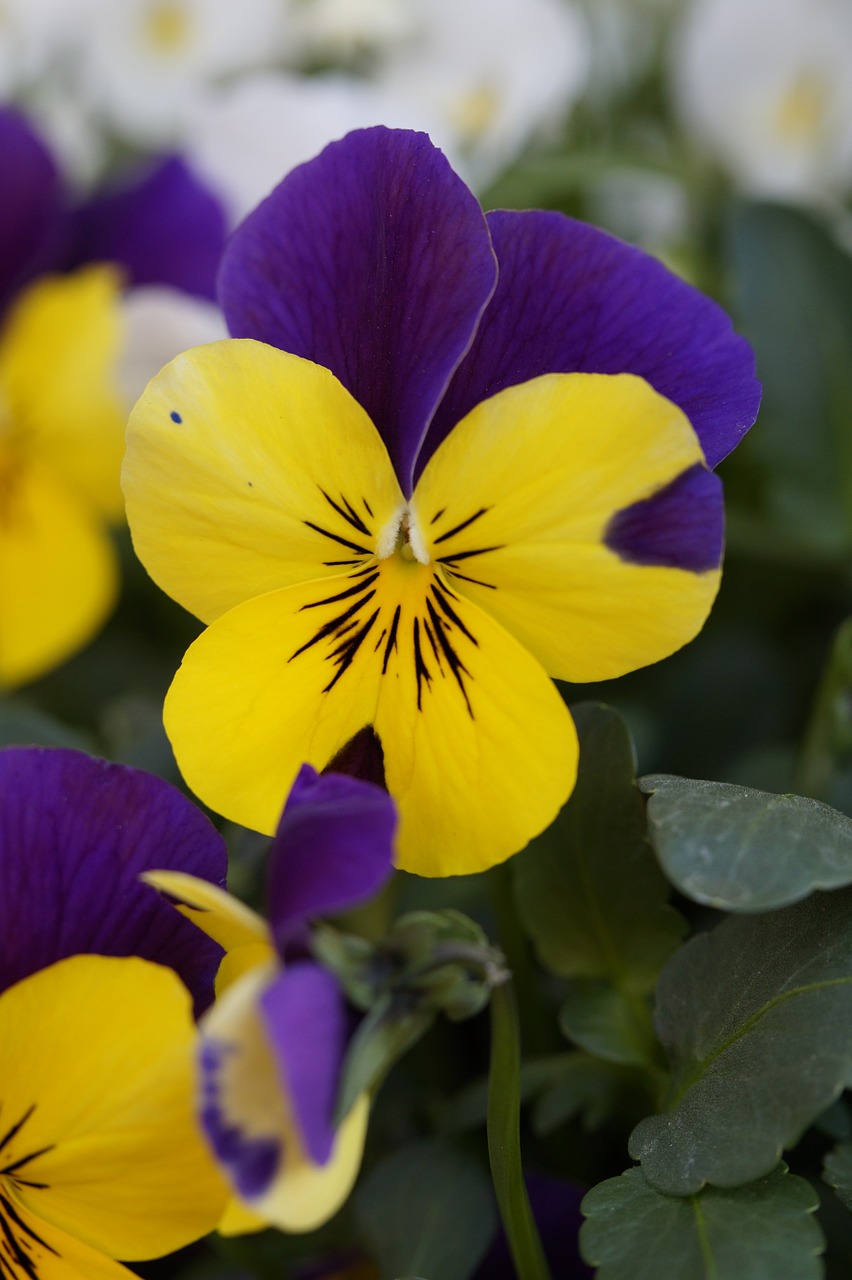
x,y
600,1018
745,850
25,726
837,1172
387,1032
763,1231
757,1020
795,301
589,891
426,1210
504,1142
593,1090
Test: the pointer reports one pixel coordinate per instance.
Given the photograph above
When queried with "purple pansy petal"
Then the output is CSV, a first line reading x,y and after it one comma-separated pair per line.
x,y
33,217
165,227
571,298
681,526
373,260
307,1025
556,1208
333,849
75,833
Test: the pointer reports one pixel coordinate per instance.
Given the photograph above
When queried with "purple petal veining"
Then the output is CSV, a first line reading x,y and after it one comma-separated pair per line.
x,y
75,834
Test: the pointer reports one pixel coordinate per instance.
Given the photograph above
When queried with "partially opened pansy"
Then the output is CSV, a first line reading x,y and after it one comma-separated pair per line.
x,y
273,1044
100,1154
450,457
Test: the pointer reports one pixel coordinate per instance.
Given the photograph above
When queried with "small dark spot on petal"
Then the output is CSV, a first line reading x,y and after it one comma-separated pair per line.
x,y
175,416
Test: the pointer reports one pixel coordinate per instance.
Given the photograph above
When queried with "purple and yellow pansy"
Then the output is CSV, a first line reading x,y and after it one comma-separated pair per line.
x,y
101,1156
273,1044
445,457
62,268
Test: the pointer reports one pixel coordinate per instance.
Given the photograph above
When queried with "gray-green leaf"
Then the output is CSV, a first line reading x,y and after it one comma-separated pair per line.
x,y
756,1018
589,891
837,1172
763,1231
745,850
427,1210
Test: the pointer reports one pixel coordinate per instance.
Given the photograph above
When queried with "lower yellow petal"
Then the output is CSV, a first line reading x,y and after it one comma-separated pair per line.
x,y
59,352
480,752
516,504
33,1248
218,913
249,1103
97,1065
58,575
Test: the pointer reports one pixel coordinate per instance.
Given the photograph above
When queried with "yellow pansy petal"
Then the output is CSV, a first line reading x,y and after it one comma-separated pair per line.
x,y
59,397
516,504
249,469
58,574
215,911
36,1249
244,1098
237,1220
241,750
480,752
97,1065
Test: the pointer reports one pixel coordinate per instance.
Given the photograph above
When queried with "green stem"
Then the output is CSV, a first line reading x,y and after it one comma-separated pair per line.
x,y
828,736
504,1138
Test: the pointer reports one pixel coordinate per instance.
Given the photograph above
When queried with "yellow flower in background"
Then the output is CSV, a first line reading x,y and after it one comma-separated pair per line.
x,y
61,441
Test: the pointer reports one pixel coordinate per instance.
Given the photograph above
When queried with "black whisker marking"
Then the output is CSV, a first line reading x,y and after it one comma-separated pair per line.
x,y
451,613
346,652
19,1164
435,648
368,507
466,555
344,542
329,628
477,582
391,644
342,595
380,639
464,524
331,564
437,515
421,671
454,662
16,1128
350,516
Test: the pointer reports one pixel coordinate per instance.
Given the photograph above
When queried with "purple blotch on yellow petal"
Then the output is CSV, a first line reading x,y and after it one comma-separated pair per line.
x,y
680,527
251,1162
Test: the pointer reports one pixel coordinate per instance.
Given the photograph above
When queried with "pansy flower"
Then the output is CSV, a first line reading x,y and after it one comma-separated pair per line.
x,y
100,1155
448,458
61,408
273,1043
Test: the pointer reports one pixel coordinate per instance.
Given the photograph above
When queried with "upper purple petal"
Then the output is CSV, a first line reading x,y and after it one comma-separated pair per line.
x,y
333,849
33,213
164,227
307,1025
374,260
571,298
75,834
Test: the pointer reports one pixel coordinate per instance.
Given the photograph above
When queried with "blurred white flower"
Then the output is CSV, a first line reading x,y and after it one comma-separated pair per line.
x,y
493,73
243,139
159,324
346,31
145,62
34,38
647,208
766,86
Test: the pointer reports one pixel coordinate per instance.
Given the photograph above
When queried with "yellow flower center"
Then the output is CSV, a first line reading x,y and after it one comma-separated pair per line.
x,y
167,27
801,113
